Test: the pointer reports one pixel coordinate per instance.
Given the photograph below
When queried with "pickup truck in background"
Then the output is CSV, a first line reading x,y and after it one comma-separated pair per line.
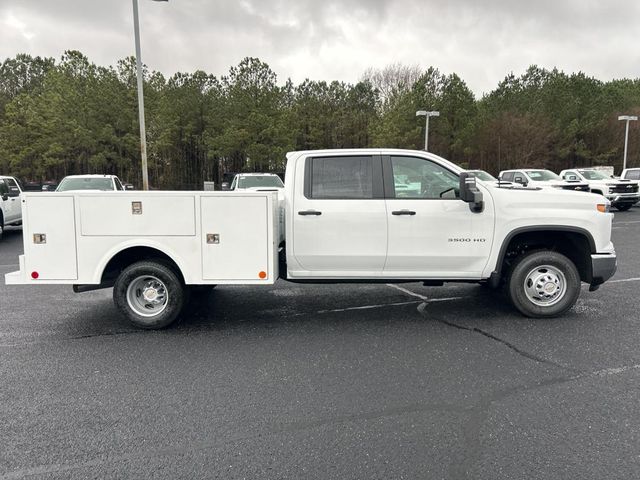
x,y
10,208
354,215
531,177
622,194
630,174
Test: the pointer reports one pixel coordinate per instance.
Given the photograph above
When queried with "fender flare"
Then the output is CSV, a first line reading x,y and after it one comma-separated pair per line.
x,y
121,247
494,279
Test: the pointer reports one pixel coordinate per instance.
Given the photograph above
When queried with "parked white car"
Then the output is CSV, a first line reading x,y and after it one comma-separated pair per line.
x,y
10,207
532,177
622,194
76,183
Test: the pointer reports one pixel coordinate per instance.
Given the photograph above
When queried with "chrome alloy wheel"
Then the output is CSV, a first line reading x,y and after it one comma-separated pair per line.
x,y
545,285
147,296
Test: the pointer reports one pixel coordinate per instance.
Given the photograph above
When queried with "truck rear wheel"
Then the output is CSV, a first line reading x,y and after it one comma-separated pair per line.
x,y
543,284
149,294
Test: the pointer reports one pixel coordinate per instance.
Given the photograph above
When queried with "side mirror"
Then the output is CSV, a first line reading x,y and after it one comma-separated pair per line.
x,y
469,192
4,197
572,178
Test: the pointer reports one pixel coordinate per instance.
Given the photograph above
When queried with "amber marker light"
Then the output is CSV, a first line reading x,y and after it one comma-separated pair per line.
x,y
262,275
602,207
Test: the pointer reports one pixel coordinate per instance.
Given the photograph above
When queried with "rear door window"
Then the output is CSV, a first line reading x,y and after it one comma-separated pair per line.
x,y
507,177
346,177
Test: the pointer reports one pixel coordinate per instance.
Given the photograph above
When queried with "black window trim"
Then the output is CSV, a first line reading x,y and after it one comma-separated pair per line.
x,y
389,184
377,188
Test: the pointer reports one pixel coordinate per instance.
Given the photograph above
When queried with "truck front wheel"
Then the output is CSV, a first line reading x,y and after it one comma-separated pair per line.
x,y
543,284
149,294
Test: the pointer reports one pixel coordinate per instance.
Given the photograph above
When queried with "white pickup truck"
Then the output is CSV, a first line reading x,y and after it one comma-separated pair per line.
x,y
351,216
10,210
532,177
623,194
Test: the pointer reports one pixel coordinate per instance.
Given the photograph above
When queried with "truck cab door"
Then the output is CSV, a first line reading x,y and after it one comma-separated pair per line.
x,y
432,232
338,216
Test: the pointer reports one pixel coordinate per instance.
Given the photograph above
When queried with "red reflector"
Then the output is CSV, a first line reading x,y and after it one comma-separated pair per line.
x,y
262,275
35,275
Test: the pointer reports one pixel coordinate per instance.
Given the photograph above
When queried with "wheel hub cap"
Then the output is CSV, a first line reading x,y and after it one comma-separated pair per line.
x,y
147,296
545,285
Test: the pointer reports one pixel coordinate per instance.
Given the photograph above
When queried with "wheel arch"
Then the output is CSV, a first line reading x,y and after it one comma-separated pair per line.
x,y
124,255
574,242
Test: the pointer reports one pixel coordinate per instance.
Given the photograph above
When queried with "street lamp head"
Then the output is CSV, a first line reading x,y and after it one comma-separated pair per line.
x,y
421,113
632,118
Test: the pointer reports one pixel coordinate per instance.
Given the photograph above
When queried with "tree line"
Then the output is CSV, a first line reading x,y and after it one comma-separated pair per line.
x,y
73,116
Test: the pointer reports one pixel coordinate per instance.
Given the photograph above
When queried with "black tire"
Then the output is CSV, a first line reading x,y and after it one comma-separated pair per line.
x,y
531,267
623,207
154,273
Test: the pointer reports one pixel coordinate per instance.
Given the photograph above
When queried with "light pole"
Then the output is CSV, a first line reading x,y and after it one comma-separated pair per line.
x,y
143,133
424,113
627,118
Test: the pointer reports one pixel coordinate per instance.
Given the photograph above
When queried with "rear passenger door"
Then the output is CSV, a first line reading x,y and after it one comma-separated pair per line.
x,y
339,217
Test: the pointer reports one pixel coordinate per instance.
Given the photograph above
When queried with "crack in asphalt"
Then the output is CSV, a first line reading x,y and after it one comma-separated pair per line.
x,y
502,341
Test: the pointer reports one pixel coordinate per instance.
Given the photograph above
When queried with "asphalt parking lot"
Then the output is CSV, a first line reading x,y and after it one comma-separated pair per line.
x,y
329,381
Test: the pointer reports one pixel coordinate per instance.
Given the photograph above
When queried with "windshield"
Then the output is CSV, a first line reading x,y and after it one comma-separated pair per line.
x,y
254,181
594,175
482,175
542,175
80,183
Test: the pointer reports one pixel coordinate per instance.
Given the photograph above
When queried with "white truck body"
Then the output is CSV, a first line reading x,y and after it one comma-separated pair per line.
x,y
347,215
84,231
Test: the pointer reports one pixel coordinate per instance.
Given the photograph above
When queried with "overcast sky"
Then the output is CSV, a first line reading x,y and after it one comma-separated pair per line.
x,y
481,40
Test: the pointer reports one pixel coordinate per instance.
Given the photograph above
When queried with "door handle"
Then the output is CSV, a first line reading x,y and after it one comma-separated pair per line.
x,y
309,212
403,212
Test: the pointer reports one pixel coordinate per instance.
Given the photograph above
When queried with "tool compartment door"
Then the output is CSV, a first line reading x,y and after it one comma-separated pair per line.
x,y
235,238
53,216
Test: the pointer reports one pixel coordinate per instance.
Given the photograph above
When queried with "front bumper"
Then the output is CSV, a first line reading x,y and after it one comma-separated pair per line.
x,y
603,267
623,198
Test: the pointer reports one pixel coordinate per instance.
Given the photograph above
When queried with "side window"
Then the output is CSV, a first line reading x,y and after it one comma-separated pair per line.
x,y
4,189
519,177
340,177
570,175
415,177
633,175
118,184
507,177
14,191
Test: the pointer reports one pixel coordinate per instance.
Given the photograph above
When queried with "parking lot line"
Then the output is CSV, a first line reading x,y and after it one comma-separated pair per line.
x,y
634,279
408,292
368,307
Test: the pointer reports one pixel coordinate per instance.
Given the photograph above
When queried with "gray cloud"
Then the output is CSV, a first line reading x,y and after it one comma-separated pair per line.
x,y
481,41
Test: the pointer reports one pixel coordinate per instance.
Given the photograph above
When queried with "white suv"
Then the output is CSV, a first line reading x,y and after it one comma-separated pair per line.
x,y
622,194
